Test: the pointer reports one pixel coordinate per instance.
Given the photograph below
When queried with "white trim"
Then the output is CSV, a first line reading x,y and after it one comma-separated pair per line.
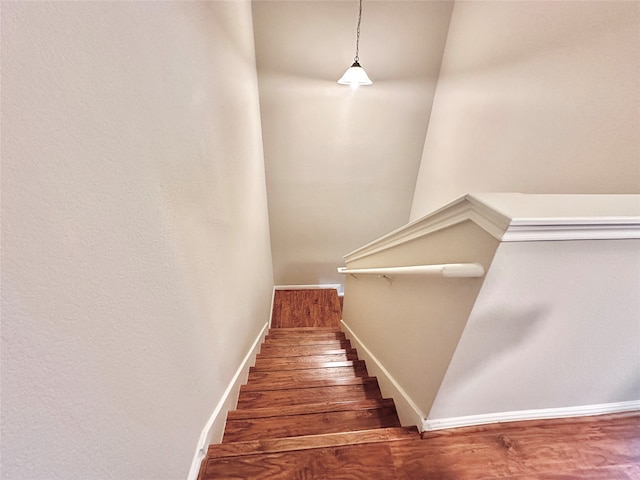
x,y
521,415
492,220
335,286
505,227
408,411
531,230
456,212
204,441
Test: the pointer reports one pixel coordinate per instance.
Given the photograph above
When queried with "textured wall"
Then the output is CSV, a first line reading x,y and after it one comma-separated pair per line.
x,y
535,97
136,267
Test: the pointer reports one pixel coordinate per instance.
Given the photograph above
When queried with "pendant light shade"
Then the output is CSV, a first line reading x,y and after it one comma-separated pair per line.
x,y
355,74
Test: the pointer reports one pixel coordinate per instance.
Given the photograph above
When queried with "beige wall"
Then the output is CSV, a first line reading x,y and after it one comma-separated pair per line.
x,y
413,325
136,267
535,97
341,163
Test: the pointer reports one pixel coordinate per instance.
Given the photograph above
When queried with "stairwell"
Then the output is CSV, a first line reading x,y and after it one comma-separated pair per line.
x,y
309,409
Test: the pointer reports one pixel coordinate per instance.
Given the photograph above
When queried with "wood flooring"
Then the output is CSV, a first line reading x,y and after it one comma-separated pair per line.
x,y
310,410
306,308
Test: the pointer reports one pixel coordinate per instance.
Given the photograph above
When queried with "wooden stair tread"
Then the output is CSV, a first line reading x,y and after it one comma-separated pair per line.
x,y
304,366
327,382
308,349
302,374
306,442
303,329
298,396
335,406
310,424
285,352
305,335
283,378
302,341
353,462
263,362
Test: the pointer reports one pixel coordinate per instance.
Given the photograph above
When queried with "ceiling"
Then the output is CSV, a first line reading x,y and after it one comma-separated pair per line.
x,y
341,163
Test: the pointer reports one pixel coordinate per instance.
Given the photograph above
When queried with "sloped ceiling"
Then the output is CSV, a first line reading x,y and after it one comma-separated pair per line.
x,y
341,163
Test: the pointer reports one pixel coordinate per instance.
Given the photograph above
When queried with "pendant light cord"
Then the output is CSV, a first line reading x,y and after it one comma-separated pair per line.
x,y
356,58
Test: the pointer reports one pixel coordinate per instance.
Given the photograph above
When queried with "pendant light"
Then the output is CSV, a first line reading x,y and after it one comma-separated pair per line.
x,y
355,74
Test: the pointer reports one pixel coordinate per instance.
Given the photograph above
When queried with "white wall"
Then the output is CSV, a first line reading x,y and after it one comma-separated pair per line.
x,y
136,266
555,326
535,97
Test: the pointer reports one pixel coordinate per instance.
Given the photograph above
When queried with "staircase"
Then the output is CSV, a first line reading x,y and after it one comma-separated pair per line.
x,y
309,410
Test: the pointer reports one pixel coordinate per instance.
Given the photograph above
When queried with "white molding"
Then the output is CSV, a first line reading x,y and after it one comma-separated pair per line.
x,y
335,286
463,209
506,227
219,412
522,415
492,220
408,411
532,230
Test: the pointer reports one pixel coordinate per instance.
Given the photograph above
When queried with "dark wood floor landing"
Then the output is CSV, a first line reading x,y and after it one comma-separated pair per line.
x,y
306,308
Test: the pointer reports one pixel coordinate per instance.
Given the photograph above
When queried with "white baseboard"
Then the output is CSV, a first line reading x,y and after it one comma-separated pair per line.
x,y
215,425
538,414
408,411
335,286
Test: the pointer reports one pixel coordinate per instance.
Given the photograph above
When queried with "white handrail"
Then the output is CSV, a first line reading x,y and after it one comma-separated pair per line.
x,y
446,270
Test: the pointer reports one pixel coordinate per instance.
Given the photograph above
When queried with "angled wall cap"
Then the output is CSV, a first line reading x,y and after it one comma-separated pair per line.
x,y
517,217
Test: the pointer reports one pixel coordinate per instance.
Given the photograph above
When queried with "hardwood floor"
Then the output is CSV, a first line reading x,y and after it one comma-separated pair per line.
x,y
306,308
585,447
310,411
